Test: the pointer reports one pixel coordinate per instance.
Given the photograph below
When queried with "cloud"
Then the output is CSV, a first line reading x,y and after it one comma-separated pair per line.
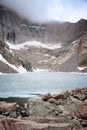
x,y
69,10
42,11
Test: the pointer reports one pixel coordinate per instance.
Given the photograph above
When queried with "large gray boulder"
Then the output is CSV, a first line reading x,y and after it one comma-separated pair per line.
x,y
39,108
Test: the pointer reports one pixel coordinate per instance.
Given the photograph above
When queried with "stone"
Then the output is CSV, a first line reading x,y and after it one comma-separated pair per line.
x,y
77,90
2,106
59,102
61,108
84,91
85,128
39,108
85,100
83,111
2,116
75,100
69,117
16,124
55,96
47,115
46,97
24,113
71,92
65,95
84,123
66,113
6,113
61,95
80,96
56,112
52,100
76,124
13,114
7,107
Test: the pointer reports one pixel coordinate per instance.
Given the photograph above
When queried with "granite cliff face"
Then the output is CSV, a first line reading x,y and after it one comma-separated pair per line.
x,y
71,37
18,30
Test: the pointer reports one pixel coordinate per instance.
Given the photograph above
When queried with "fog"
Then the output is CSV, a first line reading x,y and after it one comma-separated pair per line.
x,y
43,11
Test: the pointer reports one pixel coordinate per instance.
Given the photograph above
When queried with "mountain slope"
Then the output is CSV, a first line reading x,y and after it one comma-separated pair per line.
x,y
10,63
52,46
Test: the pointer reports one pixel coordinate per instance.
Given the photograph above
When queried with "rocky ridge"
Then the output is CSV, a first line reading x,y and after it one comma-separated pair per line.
x,y
64,111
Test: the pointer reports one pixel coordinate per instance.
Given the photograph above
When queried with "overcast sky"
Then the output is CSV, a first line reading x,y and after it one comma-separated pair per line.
x,y
42,11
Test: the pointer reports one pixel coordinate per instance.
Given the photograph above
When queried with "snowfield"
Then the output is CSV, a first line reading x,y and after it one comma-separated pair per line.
x,y
19,69
33,44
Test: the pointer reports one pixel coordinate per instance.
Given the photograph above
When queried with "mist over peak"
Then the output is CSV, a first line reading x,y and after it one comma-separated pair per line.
x,y
43,11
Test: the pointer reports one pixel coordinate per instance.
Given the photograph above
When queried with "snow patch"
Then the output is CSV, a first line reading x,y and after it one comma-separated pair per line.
x,y
36,27
19,69
40,70
11,51
81,68
74,42
34,44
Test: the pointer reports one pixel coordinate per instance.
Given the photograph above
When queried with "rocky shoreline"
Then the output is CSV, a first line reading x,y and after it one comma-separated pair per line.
x,y
64,111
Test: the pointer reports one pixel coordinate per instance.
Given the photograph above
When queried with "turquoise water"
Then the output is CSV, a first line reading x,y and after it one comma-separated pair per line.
x,y
32,84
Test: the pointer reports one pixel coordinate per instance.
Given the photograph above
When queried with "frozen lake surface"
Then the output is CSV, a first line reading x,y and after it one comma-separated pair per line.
x,y
32,84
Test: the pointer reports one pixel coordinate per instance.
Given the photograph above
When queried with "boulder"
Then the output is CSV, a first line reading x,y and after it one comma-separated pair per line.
x,y
6,113
63,95
84,123
76,125
83,111
39,108
52,100
15,124
66,113
10,124
71,106
84,91
55,96
75,91
80,96
85,101
7,107
46,97
24,113
13,114
75,100
59,109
